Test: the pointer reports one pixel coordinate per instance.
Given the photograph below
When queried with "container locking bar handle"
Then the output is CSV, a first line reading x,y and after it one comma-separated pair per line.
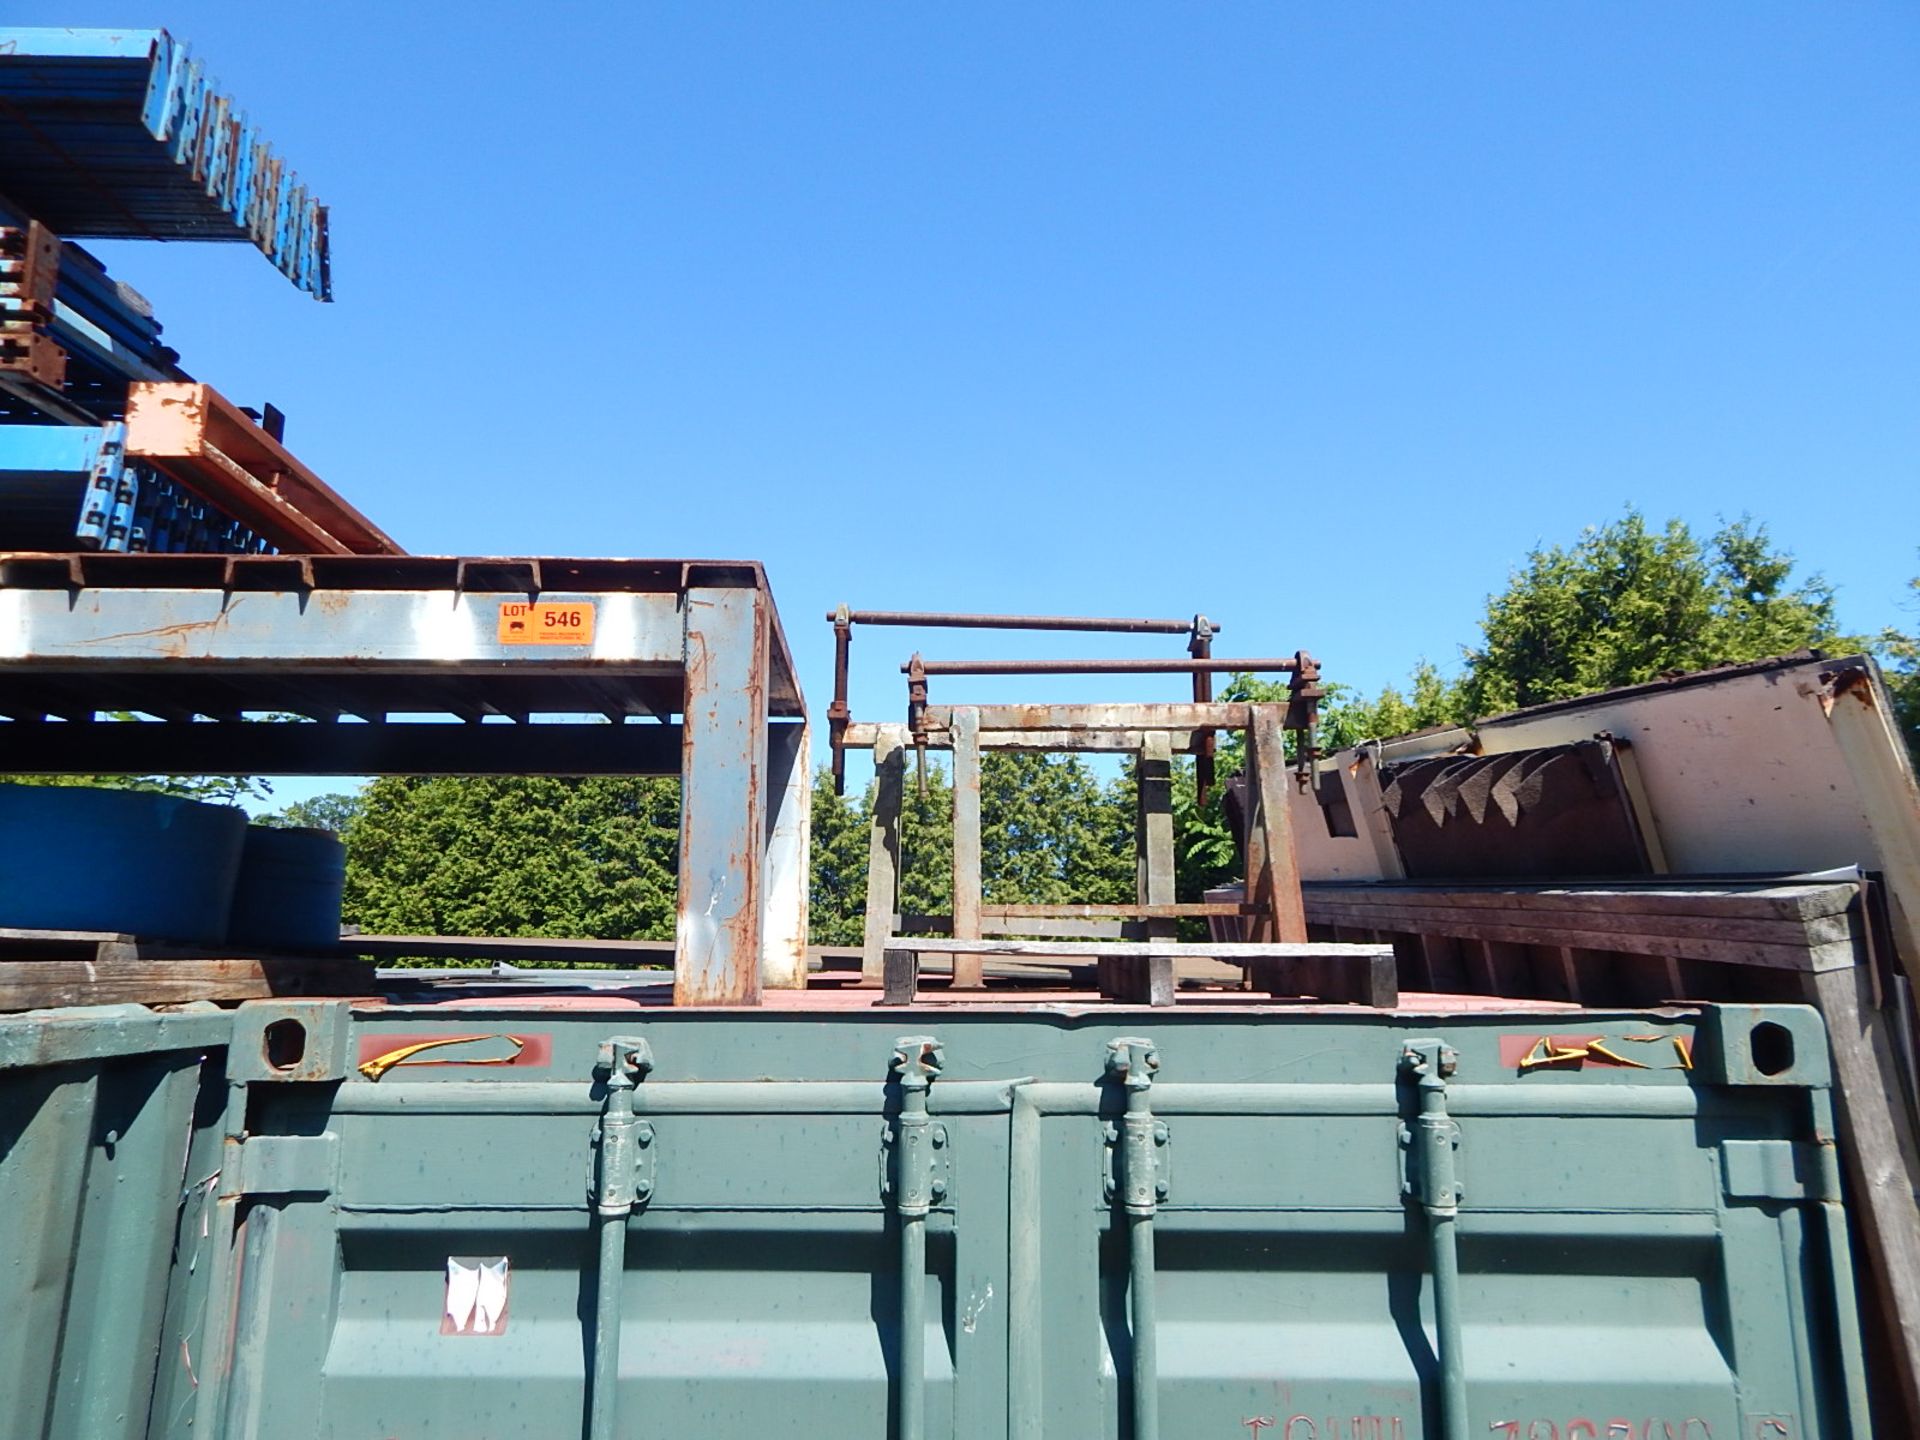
x,y
915,1181
621,1178
1431,1182
1132,1062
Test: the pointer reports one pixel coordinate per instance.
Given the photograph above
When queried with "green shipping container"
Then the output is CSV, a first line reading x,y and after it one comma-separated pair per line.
x,y
529,1218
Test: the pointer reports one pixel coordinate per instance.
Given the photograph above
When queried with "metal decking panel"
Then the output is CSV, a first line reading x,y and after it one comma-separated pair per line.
x,y
356,635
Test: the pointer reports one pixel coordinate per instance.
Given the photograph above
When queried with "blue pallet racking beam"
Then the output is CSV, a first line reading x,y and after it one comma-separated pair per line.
x,y
121,134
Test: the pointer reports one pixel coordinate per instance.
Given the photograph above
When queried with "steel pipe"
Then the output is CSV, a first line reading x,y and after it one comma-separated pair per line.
x,y
618,1186
915,1183
1431,1140
682,1097
1146,1346
913,1326
937,620
1208,666
609,1293
1132,1061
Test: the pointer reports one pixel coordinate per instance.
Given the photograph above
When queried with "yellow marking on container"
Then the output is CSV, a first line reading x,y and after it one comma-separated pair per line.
x,y
373,1069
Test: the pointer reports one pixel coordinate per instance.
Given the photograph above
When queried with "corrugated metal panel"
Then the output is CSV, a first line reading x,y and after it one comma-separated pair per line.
x,y
109,1137
121,134
572,1217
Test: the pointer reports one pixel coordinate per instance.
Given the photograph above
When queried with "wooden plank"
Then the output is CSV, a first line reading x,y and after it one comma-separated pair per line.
x,y
39,984
1146,979
1093,949
1140,911
861,734
901,980
1561,930
1273,869
90,937
883,848
1788,956
1122,717
1370,814
967,861
1866,733
1732,901
1817,930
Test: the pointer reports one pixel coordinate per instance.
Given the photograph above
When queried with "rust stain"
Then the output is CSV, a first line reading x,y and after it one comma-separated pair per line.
x,y
171,639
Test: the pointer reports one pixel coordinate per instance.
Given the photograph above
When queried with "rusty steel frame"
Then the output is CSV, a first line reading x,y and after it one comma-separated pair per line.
x,y
1147,731
235,636
1303,703
1199,632
204,441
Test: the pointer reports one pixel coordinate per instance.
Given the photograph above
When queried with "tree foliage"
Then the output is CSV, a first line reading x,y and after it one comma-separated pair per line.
x,y
1900,654
515,855
1050,832
336,812
211,789
1627,603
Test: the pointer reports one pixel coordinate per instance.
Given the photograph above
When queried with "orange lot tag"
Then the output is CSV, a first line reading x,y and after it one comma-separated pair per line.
x,y
546,622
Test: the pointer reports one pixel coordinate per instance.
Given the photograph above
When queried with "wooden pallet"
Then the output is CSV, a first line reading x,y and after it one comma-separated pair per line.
x,y
44,968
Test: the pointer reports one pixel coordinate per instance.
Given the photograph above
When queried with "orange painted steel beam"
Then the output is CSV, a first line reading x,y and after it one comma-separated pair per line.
x,y
203,440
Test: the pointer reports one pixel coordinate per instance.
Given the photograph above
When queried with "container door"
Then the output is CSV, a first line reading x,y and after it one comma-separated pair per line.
x,y
454,1283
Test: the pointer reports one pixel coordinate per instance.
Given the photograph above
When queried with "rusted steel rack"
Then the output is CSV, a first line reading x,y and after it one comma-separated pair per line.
x,y
105,441
121,134
527,666
1199,632
1276,958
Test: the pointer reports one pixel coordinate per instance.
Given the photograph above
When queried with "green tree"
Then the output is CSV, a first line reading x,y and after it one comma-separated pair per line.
x,y
1624,604
837,884
1050,833
335,811
1900,657
211,789
515,855
1627,603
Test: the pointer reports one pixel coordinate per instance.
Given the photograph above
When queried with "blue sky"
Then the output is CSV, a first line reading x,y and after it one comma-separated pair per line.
x,y
1315,318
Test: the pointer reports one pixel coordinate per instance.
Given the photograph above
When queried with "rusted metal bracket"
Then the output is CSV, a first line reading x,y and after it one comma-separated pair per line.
x,y
29,273
1200,632
838,715
204,441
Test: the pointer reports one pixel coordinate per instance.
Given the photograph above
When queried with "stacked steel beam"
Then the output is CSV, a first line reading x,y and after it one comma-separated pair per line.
x,y
105,441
